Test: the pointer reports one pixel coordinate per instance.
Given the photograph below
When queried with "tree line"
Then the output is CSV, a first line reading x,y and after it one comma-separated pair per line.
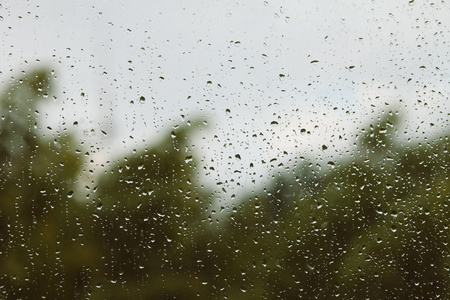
x,y
374,225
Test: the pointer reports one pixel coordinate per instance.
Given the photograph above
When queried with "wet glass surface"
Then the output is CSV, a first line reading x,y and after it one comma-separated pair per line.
x,y
224,150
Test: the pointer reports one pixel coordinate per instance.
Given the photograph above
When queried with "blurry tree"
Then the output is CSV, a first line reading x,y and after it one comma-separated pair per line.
x,y
36,175
370,226
151,208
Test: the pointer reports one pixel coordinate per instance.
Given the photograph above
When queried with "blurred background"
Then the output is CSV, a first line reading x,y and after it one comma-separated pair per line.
x,y
224,150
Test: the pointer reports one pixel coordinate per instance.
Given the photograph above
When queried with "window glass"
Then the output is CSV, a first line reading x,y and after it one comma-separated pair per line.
x,y
224,150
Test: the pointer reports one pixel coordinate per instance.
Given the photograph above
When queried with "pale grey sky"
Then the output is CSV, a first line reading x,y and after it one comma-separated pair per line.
x,y
341,61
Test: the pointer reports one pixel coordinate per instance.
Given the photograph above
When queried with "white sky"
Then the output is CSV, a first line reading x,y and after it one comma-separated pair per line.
x,y
116,51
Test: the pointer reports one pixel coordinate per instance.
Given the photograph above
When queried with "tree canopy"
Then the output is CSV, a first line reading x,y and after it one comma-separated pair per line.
x,y
374,225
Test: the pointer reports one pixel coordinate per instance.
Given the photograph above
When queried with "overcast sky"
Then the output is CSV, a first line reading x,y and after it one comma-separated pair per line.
x,y
268,68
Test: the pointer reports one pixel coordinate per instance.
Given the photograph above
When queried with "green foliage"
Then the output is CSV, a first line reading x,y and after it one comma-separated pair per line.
x,y
374,226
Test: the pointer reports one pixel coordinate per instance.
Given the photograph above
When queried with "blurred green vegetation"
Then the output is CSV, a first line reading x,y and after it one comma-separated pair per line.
x,y
372,226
